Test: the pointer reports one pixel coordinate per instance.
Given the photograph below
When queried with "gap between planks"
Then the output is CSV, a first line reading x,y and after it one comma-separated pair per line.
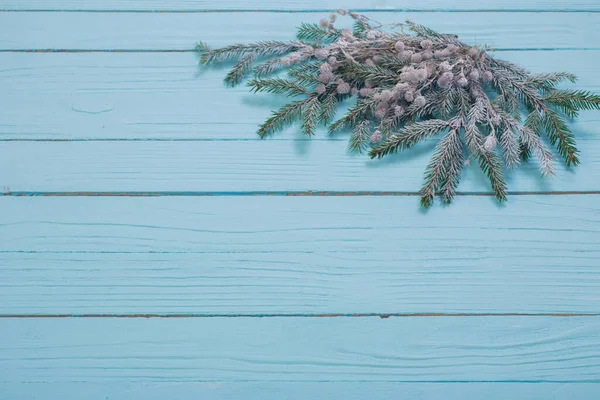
x,y
505,49
310,10
309,193
326,315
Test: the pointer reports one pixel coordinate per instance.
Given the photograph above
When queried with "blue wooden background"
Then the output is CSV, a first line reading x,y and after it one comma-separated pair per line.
x,y
152,247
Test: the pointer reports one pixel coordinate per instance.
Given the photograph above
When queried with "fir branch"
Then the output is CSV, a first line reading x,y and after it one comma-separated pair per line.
x,y
442,170
361,110
372,73
571,101
409,136
240,70
418,85
310,115
360,136
317,33
549,80
286,115
267,68
491,166
560,136
455,165
360,28
509,143
277,86
428,33
330,103
532,141
236,51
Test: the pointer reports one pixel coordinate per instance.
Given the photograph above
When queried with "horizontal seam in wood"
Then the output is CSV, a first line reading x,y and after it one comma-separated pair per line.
x,y
283,315
324,10
64,50
309,193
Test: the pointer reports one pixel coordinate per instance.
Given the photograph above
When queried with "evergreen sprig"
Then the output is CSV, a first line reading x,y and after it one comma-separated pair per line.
x,y
411,87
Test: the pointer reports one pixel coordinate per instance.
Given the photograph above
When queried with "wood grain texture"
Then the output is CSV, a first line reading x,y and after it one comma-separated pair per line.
x,y
206,5
160,31
240,166
268,255
167,96
515,349
300,390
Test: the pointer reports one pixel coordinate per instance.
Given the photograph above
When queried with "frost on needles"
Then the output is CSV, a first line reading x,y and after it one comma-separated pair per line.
x,y
410,87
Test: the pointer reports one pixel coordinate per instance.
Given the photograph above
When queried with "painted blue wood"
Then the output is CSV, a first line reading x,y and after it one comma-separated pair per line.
x,y
202,5
290,255
161,31
164,96
302,391
281,255
186,350
254,166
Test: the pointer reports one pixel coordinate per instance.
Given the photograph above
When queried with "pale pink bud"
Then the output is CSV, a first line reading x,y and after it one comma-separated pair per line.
x,y
332,17
399,46
416,58
398,111
369,62
321,89
385,95
365,92
324,23
420,101
474,75
325,67
326,77
342,11
332,60
490,143
427,55
321,53
445,66
376,136
426,43
461,80
487,76
343,87
409,96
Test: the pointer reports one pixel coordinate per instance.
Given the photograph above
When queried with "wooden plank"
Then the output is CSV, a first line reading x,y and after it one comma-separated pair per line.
x,y
301,391
238,166
160,31
125,96
206,5
274,255
473,349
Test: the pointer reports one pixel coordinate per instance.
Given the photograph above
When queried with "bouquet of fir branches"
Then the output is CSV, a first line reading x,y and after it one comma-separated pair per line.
x,y
409,87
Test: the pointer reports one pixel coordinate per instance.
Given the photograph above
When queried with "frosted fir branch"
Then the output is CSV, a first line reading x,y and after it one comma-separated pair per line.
x,y
278,86
409,136
360,136
509,143
408,83
234,52
317,33
239,71
533,142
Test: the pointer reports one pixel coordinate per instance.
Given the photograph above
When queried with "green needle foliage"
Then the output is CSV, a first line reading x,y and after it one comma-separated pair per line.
x,y
411,86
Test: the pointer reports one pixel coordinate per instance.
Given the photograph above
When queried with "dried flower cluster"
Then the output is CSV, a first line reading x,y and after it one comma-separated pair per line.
x,y
410,87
